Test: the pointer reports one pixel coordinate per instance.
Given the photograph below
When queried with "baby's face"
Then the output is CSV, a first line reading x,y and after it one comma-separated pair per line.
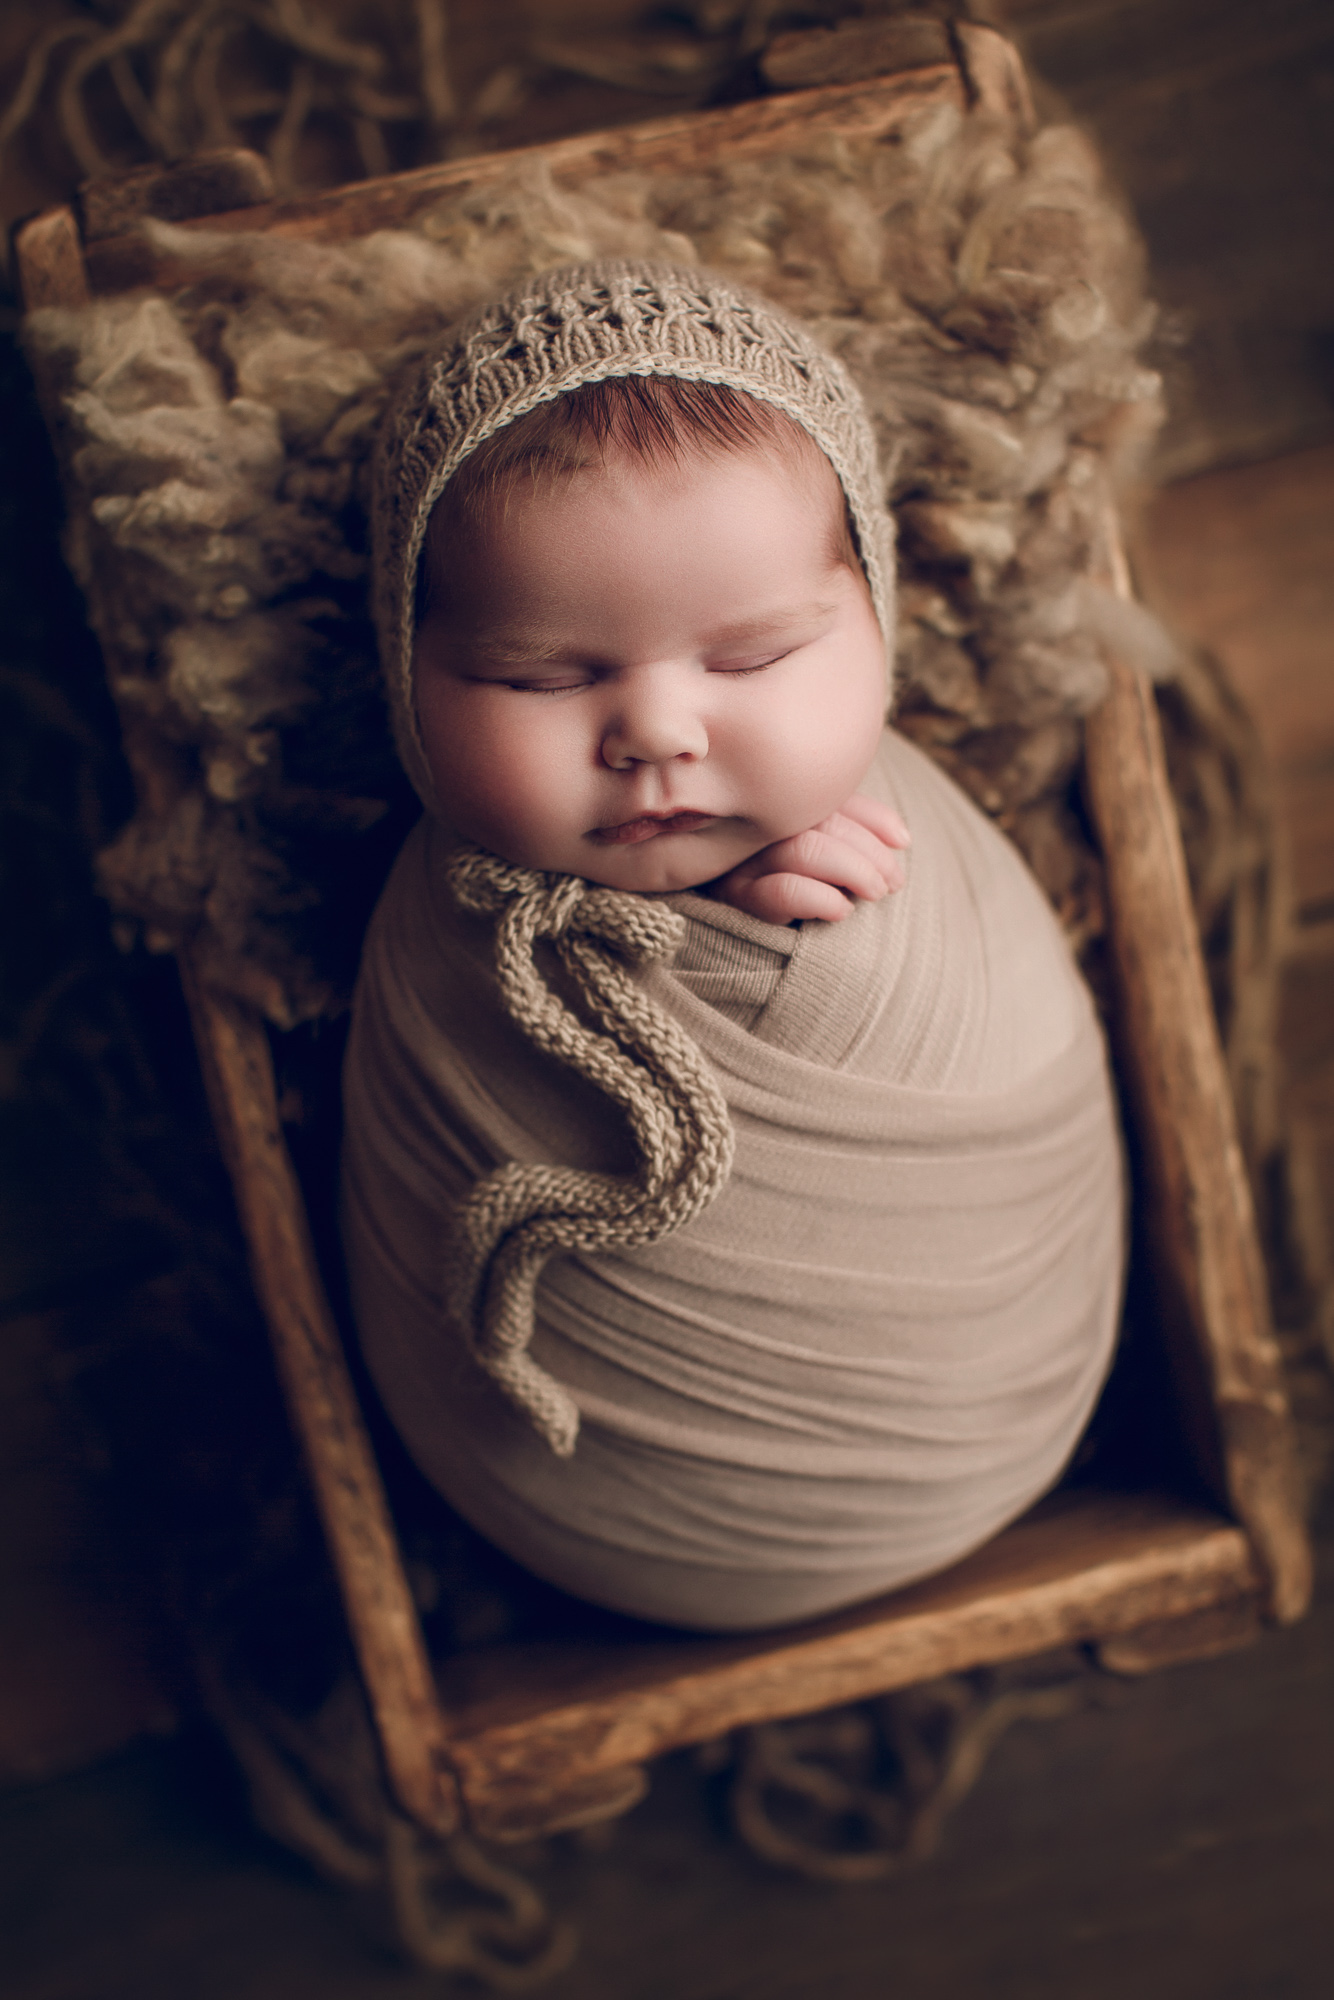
x,y
643,675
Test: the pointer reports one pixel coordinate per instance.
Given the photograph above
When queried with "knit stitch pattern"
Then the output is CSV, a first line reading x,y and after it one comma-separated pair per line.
x,y
518,1217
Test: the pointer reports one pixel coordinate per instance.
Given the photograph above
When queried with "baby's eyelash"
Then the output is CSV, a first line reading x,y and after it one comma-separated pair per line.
x,y
573,686
544,687
741,673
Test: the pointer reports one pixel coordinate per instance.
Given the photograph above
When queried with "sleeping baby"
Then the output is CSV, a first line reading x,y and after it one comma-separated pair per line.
x,y
732,1193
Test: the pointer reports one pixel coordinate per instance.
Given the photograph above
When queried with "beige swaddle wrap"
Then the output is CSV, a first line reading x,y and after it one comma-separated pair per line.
x,y
882,1339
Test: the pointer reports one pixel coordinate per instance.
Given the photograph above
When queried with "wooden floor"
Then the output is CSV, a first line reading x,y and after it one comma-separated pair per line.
x,y
1178,1845
1242,560
1214,117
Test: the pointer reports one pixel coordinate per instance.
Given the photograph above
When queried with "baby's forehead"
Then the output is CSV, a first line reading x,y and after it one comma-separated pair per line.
x,y
712,542
652,445
788,463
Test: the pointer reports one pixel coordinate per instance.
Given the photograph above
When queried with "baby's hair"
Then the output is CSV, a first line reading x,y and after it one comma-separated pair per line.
x,y
658,419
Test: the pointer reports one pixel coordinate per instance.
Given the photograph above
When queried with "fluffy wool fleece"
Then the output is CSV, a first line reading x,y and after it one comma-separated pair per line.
x,y
980,283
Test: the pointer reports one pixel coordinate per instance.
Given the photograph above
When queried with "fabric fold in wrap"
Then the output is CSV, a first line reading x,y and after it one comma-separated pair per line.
x,y
882,1339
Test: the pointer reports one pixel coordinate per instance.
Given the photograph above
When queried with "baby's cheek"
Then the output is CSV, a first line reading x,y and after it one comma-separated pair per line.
x,y
508,792
515,785
855,721
826,745
439,720
462,751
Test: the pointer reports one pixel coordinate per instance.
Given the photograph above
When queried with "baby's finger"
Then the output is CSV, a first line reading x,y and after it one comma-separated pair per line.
x,y
885,859
827,857
881,820
784,898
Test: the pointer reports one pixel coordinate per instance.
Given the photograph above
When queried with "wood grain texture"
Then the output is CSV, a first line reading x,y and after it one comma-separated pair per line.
x,y
238,1073
529,1721
993,72
664,145
1194,1635
49,256
1185,1123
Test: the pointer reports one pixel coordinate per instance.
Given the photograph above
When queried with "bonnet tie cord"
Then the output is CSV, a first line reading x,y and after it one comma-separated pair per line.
x,y
518,1217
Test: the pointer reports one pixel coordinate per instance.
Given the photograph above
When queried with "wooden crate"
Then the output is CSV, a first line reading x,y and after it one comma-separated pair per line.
x,y
513,1741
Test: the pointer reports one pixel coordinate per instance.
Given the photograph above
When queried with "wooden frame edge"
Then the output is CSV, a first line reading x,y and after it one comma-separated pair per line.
x,y
1148,1568
668,143
237,1065
1186,1119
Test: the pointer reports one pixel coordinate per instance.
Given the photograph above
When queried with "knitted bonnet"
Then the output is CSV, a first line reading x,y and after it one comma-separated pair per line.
x,y
561,331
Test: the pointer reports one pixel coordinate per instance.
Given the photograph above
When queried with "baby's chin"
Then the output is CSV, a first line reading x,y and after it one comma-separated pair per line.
x,y
655,867
663,864
653,864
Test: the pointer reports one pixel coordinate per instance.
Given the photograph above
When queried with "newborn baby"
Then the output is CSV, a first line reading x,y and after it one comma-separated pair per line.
x,y
733,1220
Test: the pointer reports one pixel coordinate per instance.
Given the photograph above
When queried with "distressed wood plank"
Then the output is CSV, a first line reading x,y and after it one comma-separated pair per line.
x,y
672,145
50,262
1201,1207
238,1074
237,1066
531,1720
1204,1634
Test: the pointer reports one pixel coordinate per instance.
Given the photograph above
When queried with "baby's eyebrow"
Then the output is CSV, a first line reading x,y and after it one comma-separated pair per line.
x,y
536,649
512,649
763,626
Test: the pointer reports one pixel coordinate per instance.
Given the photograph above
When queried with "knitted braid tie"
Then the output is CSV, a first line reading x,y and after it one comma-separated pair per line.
x,y
518,1217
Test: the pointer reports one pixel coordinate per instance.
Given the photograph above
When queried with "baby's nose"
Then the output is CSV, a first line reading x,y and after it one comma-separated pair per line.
x,y
653,726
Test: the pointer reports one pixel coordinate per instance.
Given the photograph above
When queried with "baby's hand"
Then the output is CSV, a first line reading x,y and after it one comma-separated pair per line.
x,y
854,854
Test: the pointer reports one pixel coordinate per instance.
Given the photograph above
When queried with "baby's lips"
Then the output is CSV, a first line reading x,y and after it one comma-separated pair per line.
x,y
648,826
